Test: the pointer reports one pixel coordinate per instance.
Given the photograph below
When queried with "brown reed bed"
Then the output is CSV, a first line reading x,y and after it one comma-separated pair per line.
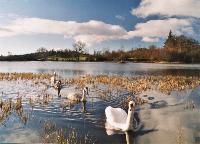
x,y
8,106
23,76
52,134
135,84
139,84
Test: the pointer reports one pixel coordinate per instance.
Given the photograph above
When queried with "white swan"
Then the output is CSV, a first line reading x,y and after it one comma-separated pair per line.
x,y
118,119
53,79
78,97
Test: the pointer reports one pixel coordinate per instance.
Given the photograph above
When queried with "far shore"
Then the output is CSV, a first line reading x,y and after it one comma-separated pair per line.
x,y
119,62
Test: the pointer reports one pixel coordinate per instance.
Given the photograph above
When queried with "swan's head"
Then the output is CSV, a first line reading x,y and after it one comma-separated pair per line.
x,y
54,73
131,105
86,90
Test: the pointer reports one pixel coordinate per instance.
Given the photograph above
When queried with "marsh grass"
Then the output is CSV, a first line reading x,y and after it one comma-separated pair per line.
x,y
23,76
136,85
9,106
52,134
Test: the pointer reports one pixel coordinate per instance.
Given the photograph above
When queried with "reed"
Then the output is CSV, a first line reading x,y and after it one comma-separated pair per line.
x,y
138,84
23,76
53,134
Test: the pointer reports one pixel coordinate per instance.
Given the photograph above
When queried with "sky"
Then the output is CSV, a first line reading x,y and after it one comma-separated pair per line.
x,y
26,25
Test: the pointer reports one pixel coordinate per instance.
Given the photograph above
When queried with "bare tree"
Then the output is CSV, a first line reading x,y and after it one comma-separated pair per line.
x,y
9,53
42,50
79,48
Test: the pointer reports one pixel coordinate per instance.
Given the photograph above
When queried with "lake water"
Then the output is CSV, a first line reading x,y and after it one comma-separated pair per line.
x,y
163,120
69,69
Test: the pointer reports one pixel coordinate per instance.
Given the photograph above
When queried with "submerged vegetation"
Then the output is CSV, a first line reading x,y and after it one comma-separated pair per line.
x,y
179,49
53,134
8,106
135,84
104,87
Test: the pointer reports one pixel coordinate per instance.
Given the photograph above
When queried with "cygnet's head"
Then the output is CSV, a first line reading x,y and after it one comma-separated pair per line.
x,y
131,105
86,90
54,73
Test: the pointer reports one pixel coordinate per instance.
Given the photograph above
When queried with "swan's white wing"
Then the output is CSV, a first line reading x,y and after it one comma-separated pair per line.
x,y
115,115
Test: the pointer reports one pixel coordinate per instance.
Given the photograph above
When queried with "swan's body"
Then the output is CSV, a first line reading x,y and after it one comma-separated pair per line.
x,y
118,119
77,96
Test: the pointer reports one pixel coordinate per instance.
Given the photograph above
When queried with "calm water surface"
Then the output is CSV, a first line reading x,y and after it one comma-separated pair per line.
x,y
163,120
69,69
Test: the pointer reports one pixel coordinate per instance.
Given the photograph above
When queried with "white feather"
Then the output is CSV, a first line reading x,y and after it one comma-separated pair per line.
x,y
115,115
73,96
118,119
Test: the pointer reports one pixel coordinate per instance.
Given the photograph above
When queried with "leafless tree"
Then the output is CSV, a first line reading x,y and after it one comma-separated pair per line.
x,y
79,47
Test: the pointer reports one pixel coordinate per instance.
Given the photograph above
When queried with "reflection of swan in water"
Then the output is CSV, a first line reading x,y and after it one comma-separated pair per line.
x,y
117,118
129,135
70,104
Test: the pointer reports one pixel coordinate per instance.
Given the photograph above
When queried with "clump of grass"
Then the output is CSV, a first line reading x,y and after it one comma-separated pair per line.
x,y
52,134
7,106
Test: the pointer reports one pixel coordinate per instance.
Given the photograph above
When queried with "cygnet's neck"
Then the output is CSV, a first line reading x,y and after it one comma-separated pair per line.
x,y
83,96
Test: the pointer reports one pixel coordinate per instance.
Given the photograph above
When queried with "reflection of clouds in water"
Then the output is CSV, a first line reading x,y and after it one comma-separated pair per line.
x,y
168,120
25,136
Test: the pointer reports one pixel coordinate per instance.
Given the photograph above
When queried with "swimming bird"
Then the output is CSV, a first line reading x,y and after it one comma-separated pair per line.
x,y
53,79
118,119
77,96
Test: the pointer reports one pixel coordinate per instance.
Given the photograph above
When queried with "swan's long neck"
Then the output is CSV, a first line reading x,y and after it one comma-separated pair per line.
x,y
129,120
83,96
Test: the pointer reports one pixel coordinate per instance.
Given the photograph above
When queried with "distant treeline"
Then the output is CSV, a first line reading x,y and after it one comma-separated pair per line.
x,y
176,49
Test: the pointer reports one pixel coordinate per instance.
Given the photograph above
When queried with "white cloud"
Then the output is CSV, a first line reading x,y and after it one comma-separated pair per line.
x,y
154,29
96,31
150,39
120,17
19,136
91,31
188,8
